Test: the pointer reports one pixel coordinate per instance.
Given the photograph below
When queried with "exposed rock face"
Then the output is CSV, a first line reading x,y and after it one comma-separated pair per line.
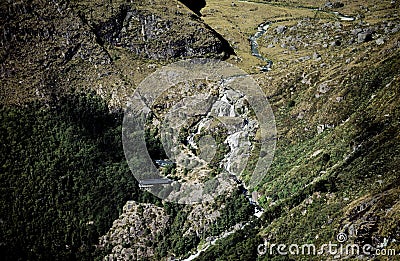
x,y
364,37
48,47
334,4
131,235
160,34
212,116
366,220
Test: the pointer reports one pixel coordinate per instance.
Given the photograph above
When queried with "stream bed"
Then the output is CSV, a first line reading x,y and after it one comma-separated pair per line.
x,y
263,28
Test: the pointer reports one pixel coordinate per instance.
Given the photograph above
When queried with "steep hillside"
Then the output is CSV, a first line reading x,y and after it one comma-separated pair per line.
x,y
330,71
334,88
66,68
109,48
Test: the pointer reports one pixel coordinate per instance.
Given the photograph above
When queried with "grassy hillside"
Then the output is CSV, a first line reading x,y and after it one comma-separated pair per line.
x,y
66,69
335,100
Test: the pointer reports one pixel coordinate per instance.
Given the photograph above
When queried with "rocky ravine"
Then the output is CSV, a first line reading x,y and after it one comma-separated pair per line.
x,y
194,123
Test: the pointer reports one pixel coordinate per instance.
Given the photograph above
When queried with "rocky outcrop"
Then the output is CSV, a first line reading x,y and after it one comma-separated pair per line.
x,y
372,220
132,234
159,34
364,37
334,4
49,47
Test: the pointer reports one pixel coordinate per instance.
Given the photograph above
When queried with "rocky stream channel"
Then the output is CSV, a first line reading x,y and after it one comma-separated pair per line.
x,y
229,103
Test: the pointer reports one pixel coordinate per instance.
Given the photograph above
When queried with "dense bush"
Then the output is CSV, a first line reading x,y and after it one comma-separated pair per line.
x,y
63,177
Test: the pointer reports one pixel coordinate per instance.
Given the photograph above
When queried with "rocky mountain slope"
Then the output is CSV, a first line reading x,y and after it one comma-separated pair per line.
x,y
136,228
334,90
67,68
49,47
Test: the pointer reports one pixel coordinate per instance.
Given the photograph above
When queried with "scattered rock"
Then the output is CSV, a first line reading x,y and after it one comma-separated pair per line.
x,y
334,5
300,116
320,128
364,37
323,88
316,56
387,30
304,58
152,66
336,43
356,31
280,29
380,41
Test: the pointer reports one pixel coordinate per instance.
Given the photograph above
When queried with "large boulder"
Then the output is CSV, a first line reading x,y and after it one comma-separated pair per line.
x,y
334,4
364,37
